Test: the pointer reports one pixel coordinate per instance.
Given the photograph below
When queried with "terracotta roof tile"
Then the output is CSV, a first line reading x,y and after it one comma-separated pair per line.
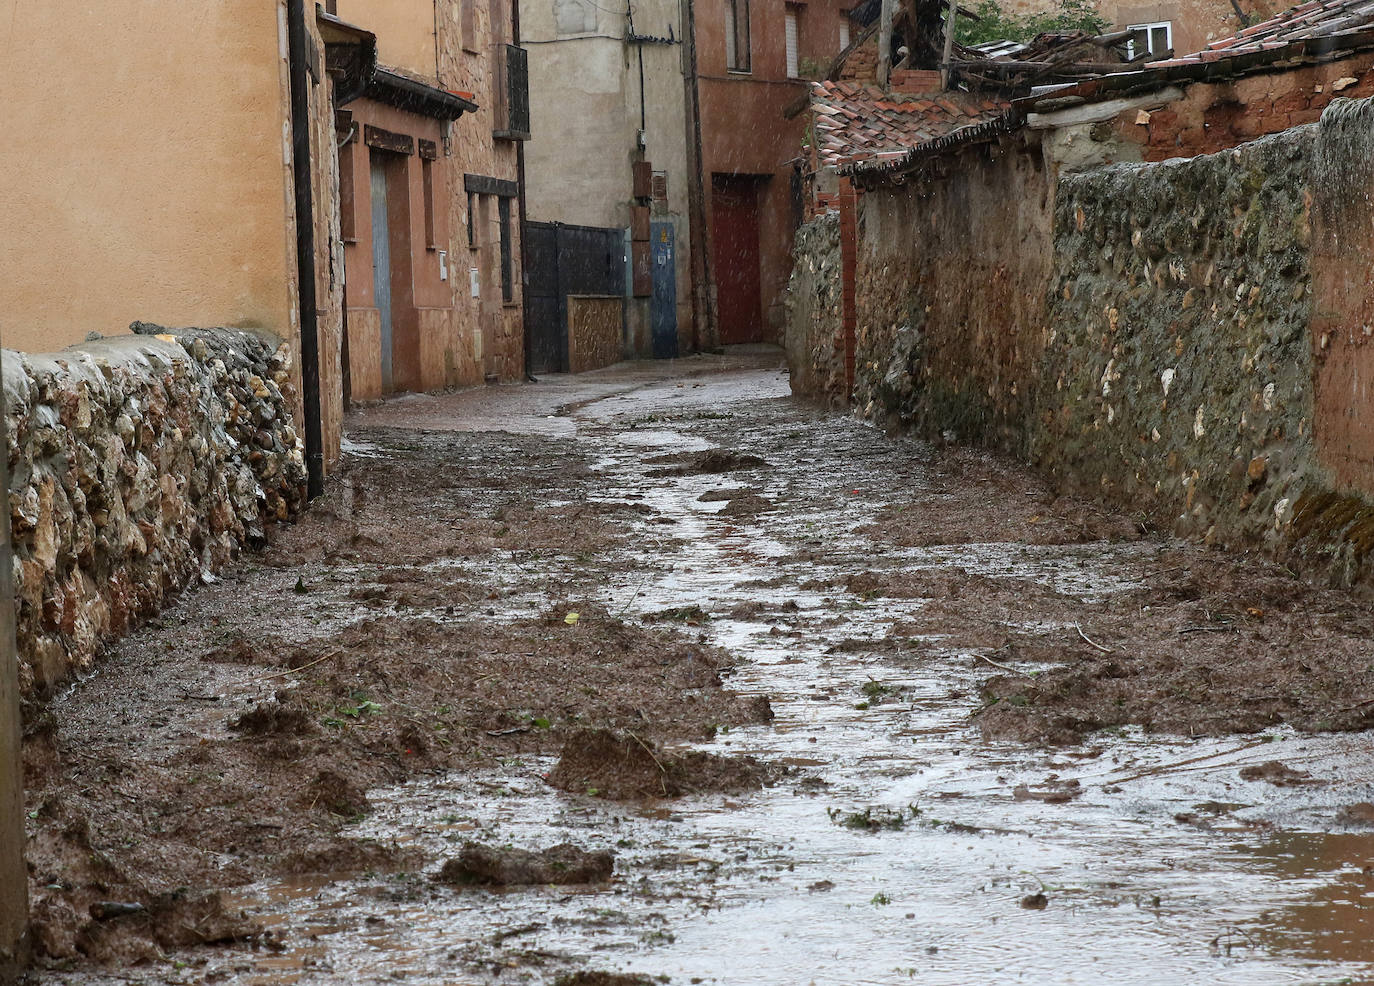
x,y
855,122
1316,18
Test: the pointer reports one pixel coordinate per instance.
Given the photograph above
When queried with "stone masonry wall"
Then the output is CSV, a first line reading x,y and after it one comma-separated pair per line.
x,y
1191,339
1177,375
815,355
950,298
137,466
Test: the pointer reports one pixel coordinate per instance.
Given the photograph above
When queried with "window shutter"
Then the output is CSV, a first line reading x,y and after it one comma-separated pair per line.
x,y
793,66
844,32
731,51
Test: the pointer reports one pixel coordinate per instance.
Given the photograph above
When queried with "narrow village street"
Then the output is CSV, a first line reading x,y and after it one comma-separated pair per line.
x,y
878,712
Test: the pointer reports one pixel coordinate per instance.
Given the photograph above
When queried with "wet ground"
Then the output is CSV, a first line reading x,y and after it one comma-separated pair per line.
x,y
1007,736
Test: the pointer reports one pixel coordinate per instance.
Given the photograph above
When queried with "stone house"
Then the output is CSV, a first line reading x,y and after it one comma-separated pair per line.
x,y
754,59
179,202
430,198
609,174
675,131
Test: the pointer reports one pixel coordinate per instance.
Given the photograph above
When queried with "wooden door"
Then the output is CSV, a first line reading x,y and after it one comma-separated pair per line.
x,y
735,258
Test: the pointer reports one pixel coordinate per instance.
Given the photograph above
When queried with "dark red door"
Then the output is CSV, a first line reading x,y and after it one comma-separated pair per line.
x,y
735,258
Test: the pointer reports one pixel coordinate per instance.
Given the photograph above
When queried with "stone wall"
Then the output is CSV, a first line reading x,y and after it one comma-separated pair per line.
x,y
951,298
1177,373
815,354
1191,339
137,466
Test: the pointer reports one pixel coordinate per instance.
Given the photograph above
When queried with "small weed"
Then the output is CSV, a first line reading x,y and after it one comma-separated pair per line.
x,y
880,899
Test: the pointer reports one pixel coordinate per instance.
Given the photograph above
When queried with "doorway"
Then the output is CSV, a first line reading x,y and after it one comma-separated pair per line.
x,y
381,264
735,257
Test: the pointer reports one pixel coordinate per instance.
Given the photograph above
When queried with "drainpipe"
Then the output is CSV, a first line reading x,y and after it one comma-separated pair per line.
x,y
14,878
703,315
526,324
298,41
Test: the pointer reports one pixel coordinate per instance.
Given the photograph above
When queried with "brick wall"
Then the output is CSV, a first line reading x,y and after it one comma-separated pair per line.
x,y
1214,117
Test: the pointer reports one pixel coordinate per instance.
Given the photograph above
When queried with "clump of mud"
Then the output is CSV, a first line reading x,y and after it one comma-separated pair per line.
x,y
489,866
589,978
273,718
748,505
712,462
1277,773
623,768
337,794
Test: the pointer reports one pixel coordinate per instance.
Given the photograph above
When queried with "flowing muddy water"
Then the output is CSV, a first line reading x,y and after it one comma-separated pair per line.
x,y
902,846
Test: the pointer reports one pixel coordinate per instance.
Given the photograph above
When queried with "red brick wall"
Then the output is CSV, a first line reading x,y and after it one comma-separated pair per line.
x,y
1218,116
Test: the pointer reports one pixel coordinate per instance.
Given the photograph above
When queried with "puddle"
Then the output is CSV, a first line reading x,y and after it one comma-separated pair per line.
x,y
901,847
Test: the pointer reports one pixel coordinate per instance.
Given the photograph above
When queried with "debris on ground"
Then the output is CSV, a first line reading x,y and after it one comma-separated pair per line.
x,y
619,767
492,866
1278,774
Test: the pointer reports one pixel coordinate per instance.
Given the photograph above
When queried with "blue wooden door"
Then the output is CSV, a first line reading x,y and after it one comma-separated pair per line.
x,y
663,303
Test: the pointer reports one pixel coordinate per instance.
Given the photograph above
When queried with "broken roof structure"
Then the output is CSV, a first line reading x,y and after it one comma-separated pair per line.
x,y
855,122
1312,34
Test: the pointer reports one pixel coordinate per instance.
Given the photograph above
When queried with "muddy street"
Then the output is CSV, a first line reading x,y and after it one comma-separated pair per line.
x,y
657,675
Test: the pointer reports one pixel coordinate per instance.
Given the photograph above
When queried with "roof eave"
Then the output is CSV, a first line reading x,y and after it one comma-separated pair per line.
x,y
413,96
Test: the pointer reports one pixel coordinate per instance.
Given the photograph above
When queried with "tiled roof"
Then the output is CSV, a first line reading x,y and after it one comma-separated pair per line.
x,y
1317,19
856,122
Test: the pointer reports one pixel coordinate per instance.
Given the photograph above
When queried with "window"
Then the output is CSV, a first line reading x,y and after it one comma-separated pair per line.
x,y
427,180
574,17
737,35
467,23
348,209
507,257
472,220
1153,39
791,18
844,31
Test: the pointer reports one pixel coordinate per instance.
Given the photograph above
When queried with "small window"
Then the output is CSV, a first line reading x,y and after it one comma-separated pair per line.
x,y
348,208
1152,39
507,255
737,35
427,179
791,17
467,23
500,17
472,220
844,31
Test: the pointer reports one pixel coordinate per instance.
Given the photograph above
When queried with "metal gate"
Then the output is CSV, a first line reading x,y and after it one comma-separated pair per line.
x,y
564,260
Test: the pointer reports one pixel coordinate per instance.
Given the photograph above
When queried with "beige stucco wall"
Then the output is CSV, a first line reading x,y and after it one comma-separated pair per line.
x,y
404,29
145,174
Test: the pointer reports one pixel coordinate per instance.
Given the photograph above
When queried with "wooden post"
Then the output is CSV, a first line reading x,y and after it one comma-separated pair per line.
x,y
950,16
885,44
14,879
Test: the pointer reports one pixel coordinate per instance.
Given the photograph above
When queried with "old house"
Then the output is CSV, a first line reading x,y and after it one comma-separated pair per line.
x,y
663,171
753,58
430,197
610,177
191,196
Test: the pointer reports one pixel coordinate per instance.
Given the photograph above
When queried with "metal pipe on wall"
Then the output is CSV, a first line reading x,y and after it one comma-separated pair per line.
x,y
703,314
298,48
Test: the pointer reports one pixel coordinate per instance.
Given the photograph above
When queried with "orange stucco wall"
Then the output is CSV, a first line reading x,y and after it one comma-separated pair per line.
x,y
142,186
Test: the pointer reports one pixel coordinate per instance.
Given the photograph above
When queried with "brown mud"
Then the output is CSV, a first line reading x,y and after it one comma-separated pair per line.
x,y
466,602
